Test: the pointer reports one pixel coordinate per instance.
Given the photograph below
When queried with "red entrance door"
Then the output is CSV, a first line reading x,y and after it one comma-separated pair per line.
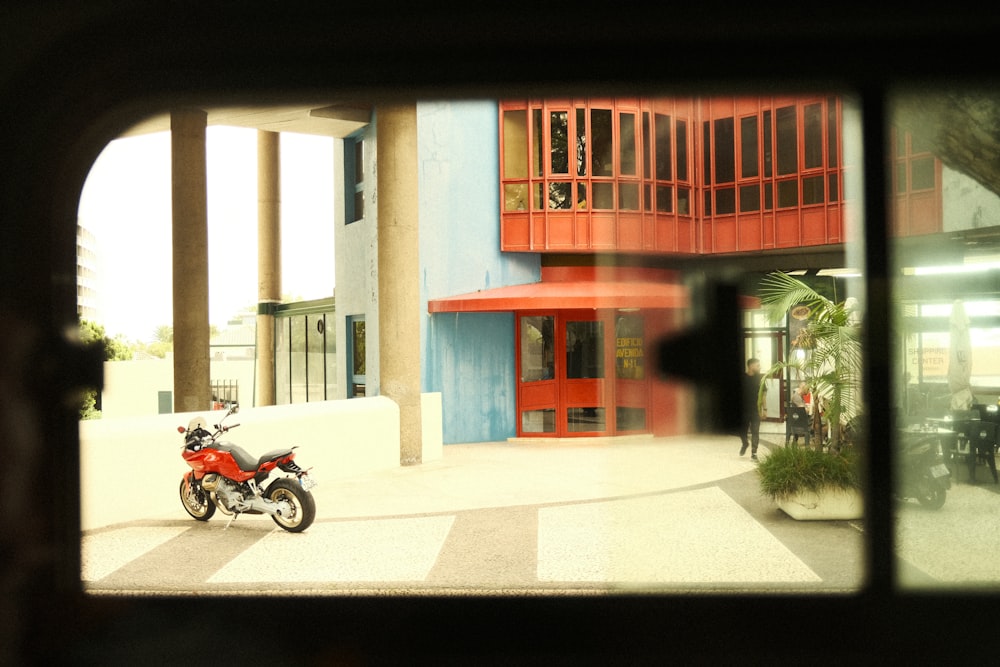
x,y
581,373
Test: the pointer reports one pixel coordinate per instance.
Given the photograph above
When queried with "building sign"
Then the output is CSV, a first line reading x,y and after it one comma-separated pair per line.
x,y
629,348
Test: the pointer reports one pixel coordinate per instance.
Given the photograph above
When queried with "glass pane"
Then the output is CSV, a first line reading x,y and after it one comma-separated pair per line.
x,y
786,140
630,347
537,155
834,185
663,157
515,196
358,346
628,196
768,196
359,205
788,194
560,195
630,419
647,198
315,363
581,142
282,368
515,144
538,421
768,153
922,174
706,152
748,147
579,420
584,350
684,201
682,150
559,141
626,154
725,151
604,195
581,195
330,358
664,199
832,146
601,152
725,201
647,154
812,190
537,341
749,198
538,189
708,202
298,358
813,135
359,162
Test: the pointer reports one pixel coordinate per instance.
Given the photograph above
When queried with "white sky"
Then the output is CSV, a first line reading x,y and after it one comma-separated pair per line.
x,y
126,205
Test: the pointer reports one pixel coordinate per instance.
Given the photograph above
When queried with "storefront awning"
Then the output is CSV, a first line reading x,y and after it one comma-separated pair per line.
x,y
584,288
564,296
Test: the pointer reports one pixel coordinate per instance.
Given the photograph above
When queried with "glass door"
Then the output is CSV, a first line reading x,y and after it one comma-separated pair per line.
x,y
584,391
768,348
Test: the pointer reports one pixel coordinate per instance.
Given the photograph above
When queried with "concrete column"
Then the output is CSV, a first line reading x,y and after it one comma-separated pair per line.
x,y
399,272
192,378
268,258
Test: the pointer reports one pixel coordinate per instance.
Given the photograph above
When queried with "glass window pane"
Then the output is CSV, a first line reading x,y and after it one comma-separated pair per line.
x,y
536,202
664,199
537,340
684,201
749,198
768,153
630,419
582,420
626,151
630,347
515,144
560,195
813,135
748,147
788,193
537,154
922,174
647,154
581,196
768,196
812,190
663,146
282,367
786,140
834,185
515,196
725,150
604,195
628,196
538,421
832,145
298,359
601,152
581,142
584,350
725,201
315,363
682,150
706,152
559,141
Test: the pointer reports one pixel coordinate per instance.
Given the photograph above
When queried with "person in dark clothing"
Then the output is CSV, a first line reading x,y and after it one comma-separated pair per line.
x,y
751,411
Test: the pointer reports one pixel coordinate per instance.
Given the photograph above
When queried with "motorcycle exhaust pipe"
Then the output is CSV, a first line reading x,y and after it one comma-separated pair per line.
x,y
210,482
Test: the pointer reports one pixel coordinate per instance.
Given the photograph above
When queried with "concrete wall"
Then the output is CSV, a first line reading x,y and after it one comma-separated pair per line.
x,y
130,468
468,358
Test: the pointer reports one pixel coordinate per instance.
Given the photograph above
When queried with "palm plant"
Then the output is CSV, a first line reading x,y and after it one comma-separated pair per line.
x,y
831,339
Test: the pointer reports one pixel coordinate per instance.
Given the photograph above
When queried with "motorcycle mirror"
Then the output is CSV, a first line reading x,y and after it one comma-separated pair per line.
x,y
234,408
181,429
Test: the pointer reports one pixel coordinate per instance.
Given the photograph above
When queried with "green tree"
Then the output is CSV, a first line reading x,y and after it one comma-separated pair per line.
x,y
831,340
115,349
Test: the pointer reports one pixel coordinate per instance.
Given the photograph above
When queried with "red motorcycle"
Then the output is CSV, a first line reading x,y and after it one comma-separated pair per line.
x,y
224,475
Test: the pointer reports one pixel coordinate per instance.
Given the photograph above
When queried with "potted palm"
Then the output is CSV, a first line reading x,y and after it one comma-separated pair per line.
x,y
813,483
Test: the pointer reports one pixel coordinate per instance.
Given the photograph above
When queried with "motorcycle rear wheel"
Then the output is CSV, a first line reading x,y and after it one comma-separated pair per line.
x,y
302,503
197,501
931,497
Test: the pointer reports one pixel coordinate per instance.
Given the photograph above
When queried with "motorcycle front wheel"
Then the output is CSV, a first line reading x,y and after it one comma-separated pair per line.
x,y
931,496
303,507
197,501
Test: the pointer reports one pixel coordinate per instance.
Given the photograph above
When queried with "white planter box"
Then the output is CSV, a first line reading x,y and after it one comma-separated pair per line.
x,y
830,504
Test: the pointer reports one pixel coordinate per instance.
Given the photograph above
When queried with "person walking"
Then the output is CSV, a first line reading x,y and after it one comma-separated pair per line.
x,y
751,410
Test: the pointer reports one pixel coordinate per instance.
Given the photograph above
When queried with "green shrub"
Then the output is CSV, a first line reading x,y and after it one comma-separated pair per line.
x,y
789,470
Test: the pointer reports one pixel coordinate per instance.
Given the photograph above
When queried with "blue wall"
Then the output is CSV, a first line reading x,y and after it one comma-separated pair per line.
x,y
468,357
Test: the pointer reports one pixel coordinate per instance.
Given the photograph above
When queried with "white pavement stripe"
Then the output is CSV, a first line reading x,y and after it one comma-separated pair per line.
x,y
103,553
349,551
693,537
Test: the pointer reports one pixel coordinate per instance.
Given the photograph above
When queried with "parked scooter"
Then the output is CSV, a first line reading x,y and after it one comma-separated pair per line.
x,y
224,475
922,471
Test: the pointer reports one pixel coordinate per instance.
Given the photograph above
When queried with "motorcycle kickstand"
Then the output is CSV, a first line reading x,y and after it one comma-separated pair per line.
x,y
231,519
